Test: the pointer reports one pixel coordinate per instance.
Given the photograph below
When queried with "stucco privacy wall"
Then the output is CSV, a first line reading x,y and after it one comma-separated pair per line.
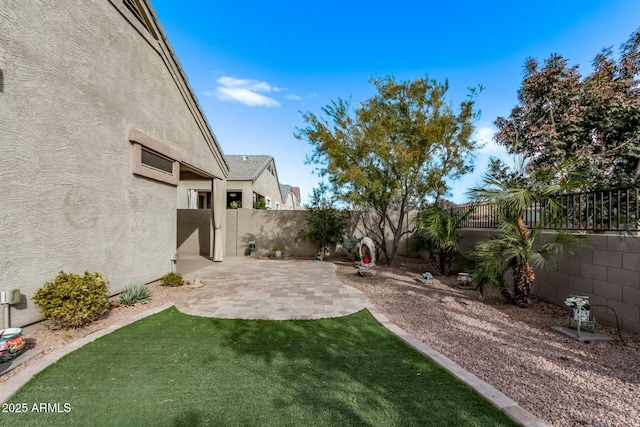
x,y
77,75
268,228
607,270
194,232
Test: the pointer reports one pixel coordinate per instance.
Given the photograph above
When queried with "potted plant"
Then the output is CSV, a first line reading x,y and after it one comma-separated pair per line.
x,y
11,343
581,307
277,251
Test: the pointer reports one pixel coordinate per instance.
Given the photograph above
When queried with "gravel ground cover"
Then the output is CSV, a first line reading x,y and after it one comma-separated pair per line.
x,y
560,380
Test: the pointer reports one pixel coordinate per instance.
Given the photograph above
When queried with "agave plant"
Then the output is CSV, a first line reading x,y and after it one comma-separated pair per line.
x,y
135,293
514,247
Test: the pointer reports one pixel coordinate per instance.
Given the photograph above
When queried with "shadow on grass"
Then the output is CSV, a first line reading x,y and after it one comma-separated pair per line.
x,y
175,369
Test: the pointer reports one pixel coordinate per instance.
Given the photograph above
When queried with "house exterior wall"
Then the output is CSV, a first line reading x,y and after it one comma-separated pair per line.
x,y
185,186
267,185
247,192
607,270
291,202
77,76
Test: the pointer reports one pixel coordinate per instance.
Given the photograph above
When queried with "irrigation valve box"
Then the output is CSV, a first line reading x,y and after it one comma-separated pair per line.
x,y
10,297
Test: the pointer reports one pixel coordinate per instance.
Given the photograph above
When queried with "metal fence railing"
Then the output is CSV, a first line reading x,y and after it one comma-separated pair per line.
x,y
607,210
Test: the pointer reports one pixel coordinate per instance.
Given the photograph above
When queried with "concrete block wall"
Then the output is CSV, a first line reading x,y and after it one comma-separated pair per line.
x,y
607,271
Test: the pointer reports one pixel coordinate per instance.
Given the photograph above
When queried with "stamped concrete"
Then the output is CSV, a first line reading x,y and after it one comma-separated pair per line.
x,y
250,288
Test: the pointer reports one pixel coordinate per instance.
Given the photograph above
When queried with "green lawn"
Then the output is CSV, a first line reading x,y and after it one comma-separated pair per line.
x,y
172,369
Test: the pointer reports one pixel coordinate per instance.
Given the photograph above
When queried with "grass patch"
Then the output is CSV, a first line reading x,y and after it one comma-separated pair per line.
x,y
172,369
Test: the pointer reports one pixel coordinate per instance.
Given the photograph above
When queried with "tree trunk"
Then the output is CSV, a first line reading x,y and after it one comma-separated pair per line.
x,y
434,264
447,261
523,277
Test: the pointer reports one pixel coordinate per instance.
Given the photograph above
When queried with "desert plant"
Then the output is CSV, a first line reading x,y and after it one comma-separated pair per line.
x,y
135,293
439,230
72,301
514,247
350,246
172,279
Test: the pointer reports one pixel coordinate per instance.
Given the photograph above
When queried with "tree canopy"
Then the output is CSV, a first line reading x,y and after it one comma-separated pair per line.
x,y
594,121
393,151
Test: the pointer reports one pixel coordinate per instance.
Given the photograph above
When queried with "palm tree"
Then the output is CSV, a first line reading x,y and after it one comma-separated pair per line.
x,y
513,248
439,229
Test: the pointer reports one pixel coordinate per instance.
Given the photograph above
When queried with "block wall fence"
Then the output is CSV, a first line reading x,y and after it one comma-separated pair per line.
x,y
607,270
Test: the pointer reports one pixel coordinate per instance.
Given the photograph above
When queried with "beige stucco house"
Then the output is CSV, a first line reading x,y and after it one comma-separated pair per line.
x,y
250,179
101,138
290,197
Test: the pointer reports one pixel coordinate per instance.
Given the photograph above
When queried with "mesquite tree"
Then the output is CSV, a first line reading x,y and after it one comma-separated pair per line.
x,y
394,150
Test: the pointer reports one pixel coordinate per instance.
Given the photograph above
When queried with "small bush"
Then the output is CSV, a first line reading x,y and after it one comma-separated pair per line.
x,y
135,293
172,279
350,247
72,301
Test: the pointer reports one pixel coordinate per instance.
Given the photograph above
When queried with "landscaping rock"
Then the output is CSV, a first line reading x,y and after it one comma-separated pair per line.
x,y
448,299
365,272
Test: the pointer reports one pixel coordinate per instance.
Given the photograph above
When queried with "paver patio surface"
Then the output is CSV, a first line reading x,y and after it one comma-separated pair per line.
x,y
250,288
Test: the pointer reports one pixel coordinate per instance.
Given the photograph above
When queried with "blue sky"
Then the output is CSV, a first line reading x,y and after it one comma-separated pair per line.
x,y
255,65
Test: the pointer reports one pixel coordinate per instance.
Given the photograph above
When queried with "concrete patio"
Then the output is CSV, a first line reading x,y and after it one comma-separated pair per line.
x,y
250,288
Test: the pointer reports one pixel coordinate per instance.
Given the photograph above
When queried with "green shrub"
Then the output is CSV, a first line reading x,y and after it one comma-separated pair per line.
x,y
172,279
350,247
72,301
135,293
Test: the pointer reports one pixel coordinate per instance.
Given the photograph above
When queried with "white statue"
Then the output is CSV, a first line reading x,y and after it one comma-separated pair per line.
x,y
367,251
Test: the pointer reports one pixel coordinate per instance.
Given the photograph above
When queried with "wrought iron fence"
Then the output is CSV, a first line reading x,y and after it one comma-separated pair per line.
x,y
597,211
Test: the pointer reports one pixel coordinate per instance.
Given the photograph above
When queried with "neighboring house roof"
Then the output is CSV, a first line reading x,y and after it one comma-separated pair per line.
x,y
284,192
246,168
296,191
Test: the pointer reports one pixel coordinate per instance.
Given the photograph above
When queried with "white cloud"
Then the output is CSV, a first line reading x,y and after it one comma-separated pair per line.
x,y
484,135
245,91
293,97
246,97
